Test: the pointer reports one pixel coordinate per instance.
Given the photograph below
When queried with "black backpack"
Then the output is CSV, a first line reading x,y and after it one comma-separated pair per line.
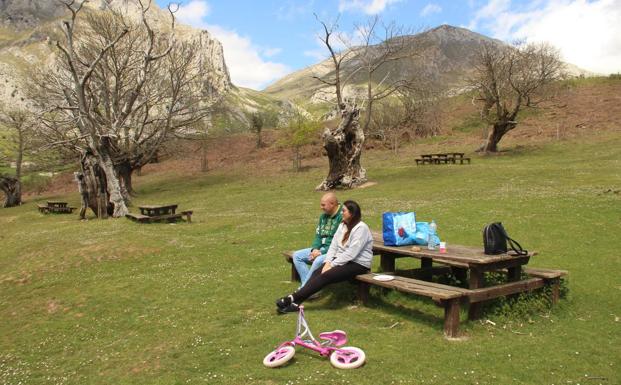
x,y
495,240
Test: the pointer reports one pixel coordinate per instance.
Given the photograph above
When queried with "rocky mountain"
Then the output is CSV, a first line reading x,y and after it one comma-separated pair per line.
x,y
28,29
443,55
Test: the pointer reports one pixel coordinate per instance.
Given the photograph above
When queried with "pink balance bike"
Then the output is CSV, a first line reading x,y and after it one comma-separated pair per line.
x,y
343,358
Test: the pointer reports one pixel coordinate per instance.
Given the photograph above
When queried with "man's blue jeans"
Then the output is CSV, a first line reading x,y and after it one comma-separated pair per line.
x,y
302,261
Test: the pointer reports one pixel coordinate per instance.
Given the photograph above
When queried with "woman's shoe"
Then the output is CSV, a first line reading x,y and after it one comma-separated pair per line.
x,y
283,302
291,308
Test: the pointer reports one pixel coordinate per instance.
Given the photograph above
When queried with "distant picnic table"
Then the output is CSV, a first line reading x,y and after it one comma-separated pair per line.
x,y
442,158
158,213
468,264
57,207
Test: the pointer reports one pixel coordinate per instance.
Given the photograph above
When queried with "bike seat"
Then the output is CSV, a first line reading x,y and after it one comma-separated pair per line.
x,y
336,338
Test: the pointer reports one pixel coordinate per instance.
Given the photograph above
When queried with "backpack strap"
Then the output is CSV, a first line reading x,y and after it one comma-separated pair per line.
x,y
513,244
518,250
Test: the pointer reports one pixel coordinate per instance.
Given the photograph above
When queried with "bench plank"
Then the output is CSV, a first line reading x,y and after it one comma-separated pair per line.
x,y
486,293
414,286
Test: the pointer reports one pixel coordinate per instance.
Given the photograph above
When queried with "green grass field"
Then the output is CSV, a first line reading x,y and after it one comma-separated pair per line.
x,y
115,302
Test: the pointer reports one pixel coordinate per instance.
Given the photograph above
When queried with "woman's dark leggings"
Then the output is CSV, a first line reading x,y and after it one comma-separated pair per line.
x,y
318,281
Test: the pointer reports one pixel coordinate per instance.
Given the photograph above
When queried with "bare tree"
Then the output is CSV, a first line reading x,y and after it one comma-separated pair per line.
x,y
381,45
18,122
119,91
338,56
410,113
508,79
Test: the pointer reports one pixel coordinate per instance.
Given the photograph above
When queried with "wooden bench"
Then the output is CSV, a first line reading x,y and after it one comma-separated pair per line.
x,y
137,217
151,219
188,215
445,296
450,297
45,209
442,158
551,278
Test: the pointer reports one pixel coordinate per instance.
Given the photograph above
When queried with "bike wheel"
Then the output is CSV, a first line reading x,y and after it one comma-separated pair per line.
x,y
347,358
279,356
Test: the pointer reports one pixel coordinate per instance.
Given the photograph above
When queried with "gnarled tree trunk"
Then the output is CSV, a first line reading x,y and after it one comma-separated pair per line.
x,y
93,187
12,189
498,130
344,147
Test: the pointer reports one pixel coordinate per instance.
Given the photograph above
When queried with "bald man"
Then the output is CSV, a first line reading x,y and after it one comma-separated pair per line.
x,y
310,259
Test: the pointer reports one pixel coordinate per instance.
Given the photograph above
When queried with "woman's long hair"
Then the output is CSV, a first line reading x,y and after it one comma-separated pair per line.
x,y
356,215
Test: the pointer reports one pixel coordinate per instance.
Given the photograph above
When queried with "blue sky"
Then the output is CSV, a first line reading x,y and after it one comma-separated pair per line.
x,y
265,40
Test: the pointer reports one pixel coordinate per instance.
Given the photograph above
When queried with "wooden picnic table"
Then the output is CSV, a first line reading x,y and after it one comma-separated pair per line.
x,y
442,158
56,204
157,210
57,207
468,264
159,213
464,261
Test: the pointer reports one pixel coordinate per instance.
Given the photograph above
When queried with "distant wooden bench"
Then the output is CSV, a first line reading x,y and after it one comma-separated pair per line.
x,y
442,158
46,209
188,215
152,219
160,218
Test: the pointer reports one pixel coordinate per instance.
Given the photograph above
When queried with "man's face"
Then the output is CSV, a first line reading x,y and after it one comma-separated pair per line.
x,y
327,205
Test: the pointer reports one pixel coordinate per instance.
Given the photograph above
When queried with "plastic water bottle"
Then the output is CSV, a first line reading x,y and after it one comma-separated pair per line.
x,y
431,241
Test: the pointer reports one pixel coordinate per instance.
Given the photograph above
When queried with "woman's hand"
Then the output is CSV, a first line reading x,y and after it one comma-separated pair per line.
x,y
326,266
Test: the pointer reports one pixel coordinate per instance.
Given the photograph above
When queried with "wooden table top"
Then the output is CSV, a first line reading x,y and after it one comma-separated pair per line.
x,y
456,255
442,154
155,207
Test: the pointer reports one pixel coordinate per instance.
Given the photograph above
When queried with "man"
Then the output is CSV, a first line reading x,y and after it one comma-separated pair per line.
x,y
328,223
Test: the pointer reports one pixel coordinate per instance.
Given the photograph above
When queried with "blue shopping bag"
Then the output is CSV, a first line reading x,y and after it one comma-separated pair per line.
x,y
399,229
421,236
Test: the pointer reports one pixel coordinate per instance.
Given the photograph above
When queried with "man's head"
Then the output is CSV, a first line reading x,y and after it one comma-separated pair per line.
x,y
329,203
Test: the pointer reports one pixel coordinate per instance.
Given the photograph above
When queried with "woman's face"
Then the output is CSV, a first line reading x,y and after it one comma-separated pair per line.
x,y
346,214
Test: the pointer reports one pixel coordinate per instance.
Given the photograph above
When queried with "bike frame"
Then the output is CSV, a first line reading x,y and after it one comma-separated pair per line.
x,y
304,337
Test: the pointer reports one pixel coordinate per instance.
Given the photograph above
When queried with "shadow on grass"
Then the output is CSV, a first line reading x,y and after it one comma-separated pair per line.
x,y
343,295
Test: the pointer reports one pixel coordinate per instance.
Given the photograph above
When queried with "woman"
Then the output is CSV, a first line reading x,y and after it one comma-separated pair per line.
x,y
350,254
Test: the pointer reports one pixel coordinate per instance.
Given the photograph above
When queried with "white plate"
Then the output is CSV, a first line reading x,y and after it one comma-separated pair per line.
x,y
383,277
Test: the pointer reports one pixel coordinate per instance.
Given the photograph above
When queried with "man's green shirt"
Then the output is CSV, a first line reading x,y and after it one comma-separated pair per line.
x,y
325,230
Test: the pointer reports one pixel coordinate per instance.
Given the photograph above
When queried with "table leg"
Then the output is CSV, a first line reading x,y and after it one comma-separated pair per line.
x,y
387,263
426,265
477,280
363,292
460,274
514,274
451,318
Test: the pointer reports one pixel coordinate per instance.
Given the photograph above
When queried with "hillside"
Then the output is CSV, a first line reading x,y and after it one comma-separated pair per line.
x,y
443,56
115,302
28,30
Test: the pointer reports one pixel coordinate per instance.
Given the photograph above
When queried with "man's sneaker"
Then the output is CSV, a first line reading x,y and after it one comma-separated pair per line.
x,y
291,308
283,302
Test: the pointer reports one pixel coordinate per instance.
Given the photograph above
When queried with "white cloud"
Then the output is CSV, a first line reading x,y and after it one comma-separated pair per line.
x,y
587,33
430,9
370,7
244,59
193,12
269,52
